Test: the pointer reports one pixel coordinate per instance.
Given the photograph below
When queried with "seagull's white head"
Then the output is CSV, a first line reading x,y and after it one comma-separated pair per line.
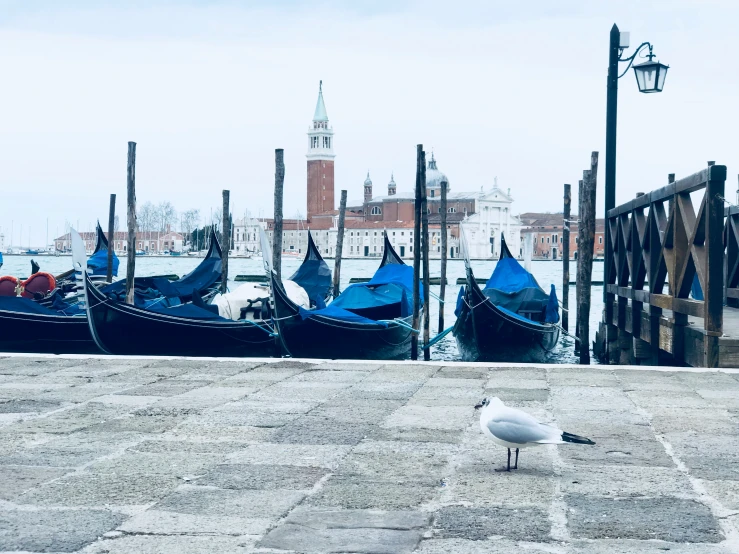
x,y
485,402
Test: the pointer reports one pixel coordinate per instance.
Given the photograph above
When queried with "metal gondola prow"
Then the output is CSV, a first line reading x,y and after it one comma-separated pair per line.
x,y
504,252
463,247
390,256
266,252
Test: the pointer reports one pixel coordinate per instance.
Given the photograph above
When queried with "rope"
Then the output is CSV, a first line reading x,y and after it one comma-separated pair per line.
x,y
436,297
568,334
438,337
401,324
725,200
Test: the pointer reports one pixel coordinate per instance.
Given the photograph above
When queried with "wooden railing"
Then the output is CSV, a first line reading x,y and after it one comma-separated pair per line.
x,y
731,240
657,240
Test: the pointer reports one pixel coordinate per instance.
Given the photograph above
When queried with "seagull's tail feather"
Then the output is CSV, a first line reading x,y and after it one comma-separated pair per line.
x,y
569,437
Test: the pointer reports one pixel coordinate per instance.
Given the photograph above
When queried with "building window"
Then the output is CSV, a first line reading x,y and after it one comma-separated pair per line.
x,y
393,233
366,233
401,233
432,193
376,210
464,209
439,210
577,240
351,249
542,240
600,240
452,210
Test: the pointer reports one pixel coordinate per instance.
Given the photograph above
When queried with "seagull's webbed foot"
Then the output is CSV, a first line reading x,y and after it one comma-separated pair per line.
x,y
509,463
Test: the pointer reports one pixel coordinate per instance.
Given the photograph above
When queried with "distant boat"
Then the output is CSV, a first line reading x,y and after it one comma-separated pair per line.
x,y
32,252
173,253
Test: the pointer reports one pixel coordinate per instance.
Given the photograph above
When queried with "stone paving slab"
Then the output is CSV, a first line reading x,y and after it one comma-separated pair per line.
x,y
118,456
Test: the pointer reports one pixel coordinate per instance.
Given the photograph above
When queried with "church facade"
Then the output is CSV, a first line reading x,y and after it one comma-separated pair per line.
x,y
484,215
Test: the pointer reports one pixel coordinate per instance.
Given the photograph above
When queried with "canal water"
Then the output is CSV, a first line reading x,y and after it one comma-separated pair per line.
x,y
546,272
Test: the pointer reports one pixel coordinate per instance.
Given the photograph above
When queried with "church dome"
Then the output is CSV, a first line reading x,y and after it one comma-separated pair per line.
x,y
368,181
434,177
392,181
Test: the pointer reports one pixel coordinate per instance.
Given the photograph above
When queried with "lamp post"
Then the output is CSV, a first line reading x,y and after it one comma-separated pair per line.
x,y
650,78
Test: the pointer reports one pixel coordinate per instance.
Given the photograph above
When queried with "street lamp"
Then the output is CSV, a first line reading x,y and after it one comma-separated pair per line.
x,y
650,77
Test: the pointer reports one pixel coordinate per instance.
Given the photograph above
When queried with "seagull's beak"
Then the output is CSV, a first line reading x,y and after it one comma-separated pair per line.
x,y
478,406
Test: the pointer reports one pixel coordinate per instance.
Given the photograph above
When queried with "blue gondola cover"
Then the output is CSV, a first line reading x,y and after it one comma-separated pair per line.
x,y
313,275
514,289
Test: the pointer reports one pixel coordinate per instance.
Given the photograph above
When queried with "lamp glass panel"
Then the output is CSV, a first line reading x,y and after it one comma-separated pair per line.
x,y
661,77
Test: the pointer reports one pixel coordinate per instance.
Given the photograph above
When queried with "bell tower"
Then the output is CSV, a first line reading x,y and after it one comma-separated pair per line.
x,y
320,161
367,188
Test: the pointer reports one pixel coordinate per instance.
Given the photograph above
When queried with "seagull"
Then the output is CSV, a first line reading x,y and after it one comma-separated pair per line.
x,y
513,428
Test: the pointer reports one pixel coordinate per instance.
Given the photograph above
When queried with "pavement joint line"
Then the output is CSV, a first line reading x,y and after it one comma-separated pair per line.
x,y
317,361
558,507
731,534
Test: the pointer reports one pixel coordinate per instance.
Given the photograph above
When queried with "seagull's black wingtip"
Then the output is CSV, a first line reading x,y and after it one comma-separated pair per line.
x,y
576,439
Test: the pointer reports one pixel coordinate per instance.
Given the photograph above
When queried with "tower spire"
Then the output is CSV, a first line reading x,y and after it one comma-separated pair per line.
x,y
320,114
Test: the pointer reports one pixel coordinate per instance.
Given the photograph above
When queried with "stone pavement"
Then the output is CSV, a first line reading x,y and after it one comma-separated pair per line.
x,y
185,456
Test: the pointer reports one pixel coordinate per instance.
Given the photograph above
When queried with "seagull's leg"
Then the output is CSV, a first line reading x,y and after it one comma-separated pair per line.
x,y
516,466
509,462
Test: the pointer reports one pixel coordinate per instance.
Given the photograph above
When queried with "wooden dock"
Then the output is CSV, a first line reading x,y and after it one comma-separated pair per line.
x,y
674,277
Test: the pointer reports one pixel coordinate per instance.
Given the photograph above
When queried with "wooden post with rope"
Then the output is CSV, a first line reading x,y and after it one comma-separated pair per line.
x,y
339,245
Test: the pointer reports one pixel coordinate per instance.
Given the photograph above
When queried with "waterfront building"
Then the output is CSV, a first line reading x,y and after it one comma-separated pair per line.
x,y
547,231
151,242
485,214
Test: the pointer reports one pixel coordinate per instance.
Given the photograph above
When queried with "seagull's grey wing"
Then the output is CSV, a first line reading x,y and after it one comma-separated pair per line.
x,y
517,433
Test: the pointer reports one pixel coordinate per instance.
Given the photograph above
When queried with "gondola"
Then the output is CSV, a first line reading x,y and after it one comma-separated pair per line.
x,y
369,321
182,330
511,320
48,323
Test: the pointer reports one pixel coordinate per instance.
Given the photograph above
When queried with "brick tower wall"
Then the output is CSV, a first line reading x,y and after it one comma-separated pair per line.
x,y
320,187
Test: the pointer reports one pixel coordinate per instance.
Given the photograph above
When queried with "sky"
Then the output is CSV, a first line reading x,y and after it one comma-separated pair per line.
x,y
208,90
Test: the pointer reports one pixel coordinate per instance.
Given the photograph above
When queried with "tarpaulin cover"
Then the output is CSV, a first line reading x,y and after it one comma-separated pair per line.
x,y
338,313
97,264
460,302
696,291
25,305
190,311
313,275
513,288
389,294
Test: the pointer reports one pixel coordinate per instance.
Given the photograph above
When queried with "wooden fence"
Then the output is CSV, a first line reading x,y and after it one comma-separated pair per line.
x,y
658,243
731,239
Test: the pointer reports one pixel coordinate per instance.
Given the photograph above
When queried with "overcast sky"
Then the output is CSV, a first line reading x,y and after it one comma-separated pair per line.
x,y
208,90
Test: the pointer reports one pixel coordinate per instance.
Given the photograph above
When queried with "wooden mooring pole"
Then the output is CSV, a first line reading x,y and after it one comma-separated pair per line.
x,y
442,286
226,246
566,258
339,245
425,254
580,196
111,238
279,188
586,232
131,202
416,254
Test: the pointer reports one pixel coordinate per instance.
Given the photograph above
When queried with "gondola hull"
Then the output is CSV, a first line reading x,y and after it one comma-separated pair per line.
x,y
122,329
47,334
327,338
485,333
